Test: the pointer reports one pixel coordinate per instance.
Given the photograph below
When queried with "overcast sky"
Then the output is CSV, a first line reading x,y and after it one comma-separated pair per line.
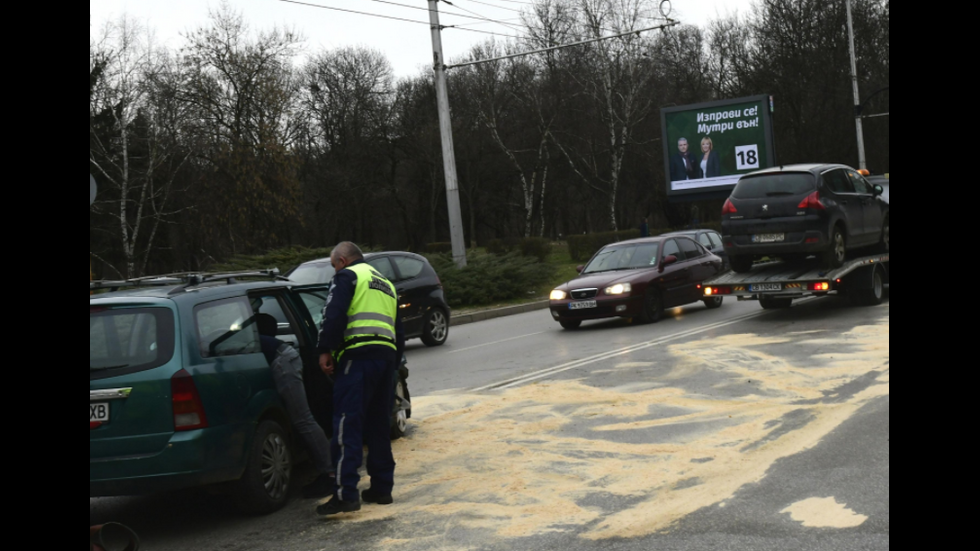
x,y
407,45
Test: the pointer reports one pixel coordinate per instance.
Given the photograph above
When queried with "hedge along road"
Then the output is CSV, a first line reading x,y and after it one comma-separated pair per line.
x,y
712,427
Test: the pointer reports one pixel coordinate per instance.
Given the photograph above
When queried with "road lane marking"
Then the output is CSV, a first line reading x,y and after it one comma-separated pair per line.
x,y
495,342
515,381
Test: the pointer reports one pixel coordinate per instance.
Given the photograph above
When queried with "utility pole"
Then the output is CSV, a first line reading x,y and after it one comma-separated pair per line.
x,y
862,163
446,133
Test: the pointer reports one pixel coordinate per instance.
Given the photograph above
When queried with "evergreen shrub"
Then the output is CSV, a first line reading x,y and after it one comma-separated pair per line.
x,y
490,278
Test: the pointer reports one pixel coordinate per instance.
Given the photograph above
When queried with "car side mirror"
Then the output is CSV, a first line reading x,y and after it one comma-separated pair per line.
x,y
878,190
579,268
667,261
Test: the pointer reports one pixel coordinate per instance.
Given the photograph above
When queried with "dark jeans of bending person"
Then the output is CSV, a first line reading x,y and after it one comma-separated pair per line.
x,y
287,373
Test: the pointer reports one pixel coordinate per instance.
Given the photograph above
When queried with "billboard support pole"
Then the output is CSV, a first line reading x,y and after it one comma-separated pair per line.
x,y
862,163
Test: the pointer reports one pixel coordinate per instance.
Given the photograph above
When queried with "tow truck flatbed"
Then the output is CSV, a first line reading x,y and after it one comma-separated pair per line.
x,y
775,284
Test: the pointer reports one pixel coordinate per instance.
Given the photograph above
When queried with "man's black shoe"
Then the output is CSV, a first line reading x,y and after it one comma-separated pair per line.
x,y
322,486
335,506
370,496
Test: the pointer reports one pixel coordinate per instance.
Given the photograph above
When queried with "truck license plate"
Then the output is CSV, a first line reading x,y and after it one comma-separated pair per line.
x,y
766,287
768,237
581,304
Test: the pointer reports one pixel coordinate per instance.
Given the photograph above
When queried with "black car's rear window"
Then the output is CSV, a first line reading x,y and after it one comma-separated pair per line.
x,y
314,272
774,185
125,340
622,257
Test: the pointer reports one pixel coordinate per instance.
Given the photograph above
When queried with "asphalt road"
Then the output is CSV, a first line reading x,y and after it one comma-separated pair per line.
x,y
734,428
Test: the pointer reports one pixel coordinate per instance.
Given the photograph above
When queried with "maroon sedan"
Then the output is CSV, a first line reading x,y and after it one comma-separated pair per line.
x,y
637,278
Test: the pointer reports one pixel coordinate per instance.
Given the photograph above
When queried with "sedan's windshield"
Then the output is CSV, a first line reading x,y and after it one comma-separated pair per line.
x,y
624,257
314,272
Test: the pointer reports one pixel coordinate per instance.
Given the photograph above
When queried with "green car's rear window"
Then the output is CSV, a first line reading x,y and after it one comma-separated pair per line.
x,y
125,340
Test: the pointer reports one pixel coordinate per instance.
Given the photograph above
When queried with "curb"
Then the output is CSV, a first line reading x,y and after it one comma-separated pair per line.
x,y
498,312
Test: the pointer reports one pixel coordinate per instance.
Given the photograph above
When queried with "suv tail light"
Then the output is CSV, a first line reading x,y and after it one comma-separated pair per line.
x,y
812,201
729,208
188,408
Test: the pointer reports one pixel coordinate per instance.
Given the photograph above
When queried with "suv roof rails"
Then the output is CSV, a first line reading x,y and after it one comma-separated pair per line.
x,y
184,280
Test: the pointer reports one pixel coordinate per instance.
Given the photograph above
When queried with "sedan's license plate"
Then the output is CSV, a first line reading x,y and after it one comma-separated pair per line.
x,y
768,237
99,411
766,287
581,304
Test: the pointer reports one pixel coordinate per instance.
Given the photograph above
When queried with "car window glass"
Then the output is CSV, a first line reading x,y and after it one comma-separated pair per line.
x,y
269,304
314,302
408,267
773,185
670,248
703,239
130,339
838,182
312,272
689,248
226,328
860,185
619,257
382,265
715,240
702,250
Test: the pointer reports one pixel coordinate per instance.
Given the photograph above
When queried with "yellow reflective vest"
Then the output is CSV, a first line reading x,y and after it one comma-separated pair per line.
x,y
372,311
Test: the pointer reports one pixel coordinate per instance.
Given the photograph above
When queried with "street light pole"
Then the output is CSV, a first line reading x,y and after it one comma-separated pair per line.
x,y
862,163
446,133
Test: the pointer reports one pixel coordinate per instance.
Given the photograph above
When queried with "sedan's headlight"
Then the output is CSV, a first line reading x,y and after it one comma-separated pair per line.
x,y
618,289
558,295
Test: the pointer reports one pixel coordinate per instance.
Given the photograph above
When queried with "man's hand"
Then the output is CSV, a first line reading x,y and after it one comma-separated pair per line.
x,y
326,363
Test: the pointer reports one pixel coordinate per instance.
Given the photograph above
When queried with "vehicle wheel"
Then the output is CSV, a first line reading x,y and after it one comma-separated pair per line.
x,y
740,264
399,416
265,485
435,328
653,306
834,256
872,295
713,302
885,240
570,324
771,302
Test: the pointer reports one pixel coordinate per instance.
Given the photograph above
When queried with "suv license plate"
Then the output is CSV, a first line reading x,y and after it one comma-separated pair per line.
x,y
766,287
581,304
98,411
768,237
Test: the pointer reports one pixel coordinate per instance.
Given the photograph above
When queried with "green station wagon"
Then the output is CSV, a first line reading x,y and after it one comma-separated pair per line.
x,y
180,394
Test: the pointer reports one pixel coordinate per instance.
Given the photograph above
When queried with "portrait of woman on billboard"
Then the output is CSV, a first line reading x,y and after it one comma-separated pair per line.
x,y
709,162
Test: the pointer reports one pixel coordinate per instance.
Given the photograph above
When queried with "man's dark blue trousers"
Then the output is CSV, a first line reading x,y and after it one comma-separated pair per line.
x,y
363,392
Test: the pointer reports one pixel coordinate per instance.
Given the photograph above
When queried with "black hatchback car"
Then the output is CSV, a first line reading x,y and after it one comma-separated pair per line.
x,y
422,304
797,210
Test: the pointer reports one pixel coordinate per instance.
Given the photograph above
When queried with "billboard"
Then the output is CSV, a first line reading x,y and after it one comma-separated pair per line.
x,y
708,146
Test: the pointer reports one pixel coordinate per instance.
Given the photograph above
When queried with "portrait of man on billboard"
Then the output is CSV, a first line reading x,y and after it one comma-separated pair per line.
x,y
682,163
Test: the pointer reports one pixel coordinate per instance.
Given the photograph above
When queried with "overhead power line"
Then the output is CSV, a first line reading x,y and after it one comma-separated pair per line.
x,y
354,11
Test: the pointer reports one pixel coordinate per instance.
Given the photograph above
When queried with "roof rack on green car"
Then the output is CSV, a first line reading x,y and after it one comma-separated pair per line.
x,y
185,280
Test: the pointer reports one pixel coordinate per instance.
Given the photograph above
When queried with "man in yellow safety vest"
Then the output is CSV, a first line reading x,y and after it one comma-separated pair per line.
x,y
359,343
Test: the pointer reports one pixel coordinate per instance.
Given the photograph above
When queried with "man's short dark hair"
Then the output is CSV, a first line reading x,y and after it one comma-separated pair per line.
x,y
267,324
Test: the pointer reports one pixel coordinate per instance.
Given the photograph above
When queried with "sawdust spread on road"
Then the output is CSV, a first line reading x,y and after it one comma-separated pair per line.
x,y
549,456
824,512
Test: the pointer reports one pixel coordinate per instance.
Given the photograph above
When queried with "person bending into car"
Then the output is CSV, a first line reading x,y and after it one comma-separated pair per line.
x,y
287,374
360,339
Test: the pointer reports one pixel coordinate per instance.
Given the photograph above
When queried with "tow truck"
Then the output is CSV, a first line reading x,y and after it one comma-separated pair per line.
x,y
776,284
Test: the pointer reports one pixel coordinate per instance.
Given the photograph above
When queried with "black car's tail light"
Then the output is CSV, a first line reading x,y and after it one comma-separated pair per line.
x,y
729,208
188,408
812,201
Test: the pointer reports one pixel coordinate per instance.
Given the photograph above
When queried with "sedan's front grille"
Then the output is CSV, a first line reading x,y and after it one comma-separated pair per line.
x,y
584,293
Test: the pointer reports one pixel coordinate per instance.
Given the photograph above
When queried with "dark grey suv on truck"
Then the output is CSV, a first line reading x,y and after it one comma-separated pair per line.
x,y
798,210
